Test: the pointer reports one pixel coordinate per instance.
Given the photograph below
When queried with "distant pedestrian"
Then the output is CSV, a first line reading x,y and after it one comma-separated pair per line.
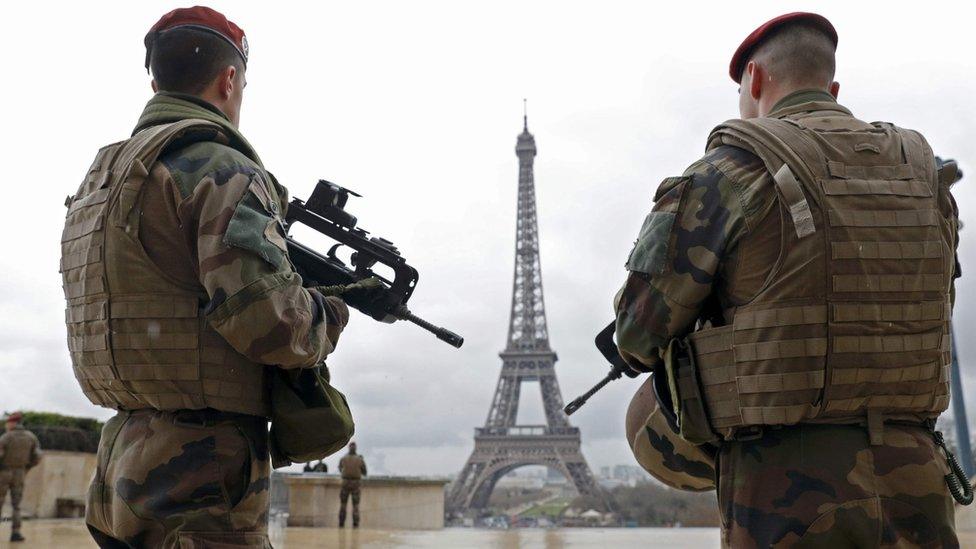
x,y
352,467
19,452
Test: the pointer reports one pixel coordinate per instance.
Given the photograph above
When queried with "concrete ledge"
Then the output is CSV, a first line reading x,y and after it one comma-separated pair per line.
x,y
408,503
59,475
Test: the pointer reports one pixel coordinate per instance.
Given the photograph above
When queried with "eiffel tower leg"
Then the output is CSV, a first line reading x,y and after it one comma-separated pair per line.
x,y
461,491
582,478
552,400
483,491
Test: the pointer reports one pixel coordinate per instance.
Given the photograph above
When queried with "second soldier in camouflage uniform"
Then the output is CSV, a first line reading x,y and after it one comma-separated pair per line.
x,y
797,466
181,299
352,467
20,452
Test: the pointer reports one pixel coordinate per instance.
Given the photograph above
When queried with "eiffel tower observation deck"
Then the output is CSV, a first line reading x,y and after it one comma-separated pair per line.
x,y
502,445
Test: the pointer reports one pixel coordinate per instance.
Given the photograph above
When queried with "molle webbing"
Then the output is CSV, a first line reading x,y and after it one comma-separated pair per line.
x,y
852,322
136,339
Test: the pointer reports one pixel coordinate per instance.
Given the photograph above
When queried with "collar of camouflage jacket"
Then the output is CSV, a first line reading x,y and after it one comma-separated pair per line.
x,y
805,100
168,107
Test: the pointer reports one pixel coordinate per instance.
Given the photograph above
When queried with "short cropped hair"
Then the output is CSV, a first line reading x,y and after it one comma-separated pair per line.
x,y
798,53
186,60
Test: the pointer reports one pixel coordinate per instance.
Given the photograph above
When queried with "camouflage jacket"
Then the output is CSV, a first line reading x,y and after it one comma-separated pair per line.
x,y
19,448
213,203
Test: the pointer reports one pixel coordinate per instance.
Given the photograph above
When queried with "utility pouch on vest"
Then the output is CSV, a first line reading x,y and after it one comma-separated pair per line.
x,y
310,419
686,394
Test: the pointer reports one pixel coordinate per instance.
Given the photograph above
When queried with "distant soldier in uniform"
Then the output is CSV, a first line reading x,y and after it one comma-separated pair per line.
x,y
792,293
181,301
352,467
19,452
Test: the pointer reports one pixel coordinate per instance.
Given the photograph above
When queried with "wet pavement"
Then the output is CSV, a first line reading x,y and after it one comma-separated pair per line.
x,y
71,533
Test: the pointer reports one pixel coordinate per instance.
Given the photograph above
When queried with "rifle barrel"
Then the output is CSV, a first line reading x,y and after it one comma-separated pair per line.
x,y
581,400
442,334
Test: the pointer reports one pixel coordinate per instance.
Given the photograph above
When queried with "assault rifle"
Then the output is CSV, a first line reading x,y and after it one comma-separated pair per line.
x,y
605,344
387,301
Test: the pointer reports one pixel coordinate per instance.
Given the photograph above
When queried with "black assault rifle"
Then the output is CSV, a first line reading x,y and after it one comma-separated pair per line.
x,y
323,212
605,344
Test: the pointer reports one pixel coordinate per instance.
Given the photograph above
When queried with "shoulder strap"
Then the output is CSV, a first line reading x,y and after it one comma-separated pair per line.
x,y
136,157
782,147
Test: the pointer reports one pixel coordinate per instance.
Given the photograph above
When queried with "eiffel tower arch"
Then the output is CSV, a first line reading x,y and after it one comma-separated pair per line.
x,y
502,445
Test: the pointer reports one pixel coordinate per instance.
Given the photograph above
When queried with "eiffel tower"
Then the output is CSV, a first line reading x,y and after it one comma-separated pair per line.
x,y
501,445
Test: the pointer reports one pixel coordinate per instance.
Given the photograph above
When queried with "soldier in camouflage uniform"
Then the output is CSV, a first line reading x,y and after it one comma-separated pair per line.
x,y
732,305
19,452
352,467
181,300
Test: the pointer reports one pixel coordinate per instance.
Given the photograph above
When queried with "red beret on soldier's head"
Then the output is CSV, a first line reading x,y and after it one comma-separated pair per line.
x,y
741,56
198,17
15,417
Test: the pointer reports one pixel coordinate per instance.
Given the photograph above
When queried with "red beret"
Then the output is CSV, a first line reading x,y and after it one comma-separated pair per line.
x,y
16,417
198,17
741,56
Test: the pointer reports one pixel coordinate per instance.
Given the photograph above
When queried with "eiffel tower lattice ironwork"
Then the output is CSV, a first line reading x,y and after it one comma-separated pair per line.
x,y
501,445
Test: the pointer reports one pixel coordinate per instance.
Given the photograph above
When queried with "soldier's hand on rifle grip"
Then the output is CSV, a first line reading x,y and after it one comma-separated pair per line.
x,y
360,288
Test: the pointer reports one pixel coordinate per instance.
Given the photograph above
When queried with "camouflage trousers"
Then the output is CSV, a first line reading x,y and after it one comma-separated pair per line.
x,y
827,486
12,480
350,487
187,479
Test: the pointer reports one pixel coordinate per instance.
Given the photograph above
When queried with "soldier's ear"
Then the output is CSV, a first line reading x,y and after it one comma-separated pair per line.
x,y
155,86
756,74
834,89
226,81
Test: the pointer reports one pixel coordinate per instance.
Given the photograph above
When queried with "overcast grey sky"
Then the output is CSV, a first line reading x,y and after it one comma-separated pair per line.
x,y
416,105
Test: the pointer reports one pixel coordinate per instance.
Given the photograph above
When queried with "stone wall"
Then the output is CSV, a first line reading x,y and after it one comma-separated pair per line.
x,y
59,475
401,503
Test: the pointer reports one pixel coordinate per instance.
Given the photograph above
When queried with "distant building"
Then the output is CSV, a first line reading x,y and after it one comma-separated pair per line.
x,y
629,474
621,475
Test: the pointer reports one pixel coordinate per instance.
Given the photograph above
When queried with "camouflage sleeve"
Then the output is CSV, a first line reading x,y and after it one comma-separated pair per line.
x,y
232,218
696,219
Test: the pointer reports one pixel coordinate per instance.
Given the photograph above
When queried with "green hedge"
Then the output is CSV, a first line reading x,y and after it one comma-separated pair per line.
x,y
50,419
60,432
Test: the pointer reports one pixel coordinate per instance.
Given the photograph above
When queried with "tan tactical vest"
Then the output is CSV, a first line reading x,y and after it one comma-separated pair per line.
x,y
852,323
138,339
351,466
19,449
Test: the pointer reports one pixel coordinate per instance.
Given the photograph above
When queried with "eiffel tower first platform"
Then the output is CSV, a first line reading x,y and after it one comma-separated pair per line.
x,y
501,445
